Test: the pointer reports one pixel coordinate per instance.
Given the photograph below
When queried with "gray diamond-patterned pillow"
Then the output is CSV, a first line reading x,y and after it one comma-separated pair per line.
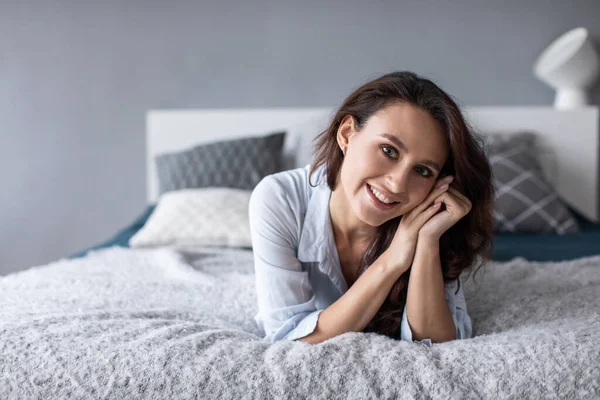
x,y
525,201
238,163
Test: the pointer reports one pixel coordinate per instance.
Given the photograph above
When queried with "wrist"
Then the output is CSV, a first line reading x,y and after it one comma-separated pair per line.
x,y
428,240
392,265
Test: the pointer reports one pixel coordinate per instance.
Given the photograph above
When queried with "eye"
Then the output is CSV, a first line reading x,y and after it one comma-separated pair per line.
x,y
425,172
390,151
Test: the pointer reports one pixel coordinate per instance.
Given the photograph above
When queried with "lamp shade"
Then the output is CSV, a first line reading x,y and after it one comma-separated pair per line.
x,y
570,65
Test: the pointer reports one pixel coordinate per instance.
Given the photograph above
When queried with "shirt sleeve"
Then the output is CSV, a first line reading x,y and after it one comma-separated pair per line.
x,y
458,308
286,303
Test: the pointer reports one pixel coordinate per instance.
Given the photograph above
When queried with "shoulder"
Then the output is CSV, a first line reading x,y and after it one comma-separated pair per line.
x,y
289,188
279,202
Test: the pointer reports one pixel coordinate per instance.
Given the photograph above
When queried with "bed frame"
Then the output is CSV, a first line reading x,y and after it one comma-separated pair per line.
x,y
569,140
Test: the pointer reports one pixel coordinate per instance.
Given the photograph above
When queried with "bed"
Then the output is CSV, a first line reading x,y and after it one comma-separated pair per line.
x,y
115,321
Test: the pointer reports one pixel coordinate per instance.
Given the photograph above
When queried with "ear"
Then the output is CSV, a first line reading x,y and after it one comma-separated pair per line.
x,y
345,131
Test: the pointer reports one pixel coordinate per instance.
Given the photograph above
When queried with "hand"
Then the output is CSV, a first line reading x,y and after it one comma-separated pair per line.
x,y
401,251
457,206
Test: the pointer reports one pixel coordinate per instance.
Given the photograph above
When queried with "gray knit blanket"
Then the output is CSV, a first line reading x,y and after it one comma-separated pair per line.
x,y
164,324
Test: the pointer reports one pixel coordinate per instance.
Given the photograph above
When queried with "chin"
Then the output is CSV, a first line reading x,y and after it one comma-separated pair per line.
x,y
368,217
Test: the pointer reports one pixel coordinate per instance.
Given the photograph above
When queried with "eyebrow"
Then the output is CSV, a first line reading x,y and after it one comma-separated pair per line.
x,y
398,142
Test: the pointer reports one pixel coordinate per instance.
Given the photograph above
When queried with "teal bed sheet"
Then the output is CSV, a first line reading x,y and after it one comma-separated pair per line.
x,y
549,247
122,237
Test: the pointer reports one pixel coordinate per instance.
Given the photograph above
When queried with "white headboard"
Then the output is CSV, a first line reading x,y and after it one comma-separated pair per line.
x,y
569,140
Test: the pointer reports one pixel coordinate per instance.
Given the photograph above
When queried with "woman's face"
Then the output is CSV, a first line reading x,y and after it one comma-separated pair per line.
x,y
399,152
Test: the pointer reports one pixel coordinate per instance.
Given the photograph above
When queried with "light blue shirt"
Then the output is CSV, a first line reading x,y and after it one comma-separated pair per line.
x,y
297,269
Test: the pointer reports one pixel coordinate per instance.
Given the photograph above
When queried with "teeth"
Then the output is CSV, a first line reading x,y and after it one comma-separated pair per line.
x,y
380,196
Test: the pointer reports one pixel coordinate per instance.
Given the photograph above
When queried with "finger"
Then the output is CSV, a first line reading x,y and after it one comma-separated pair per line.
x,y
453,205
435,193
424,216
459,196
441,186
453,194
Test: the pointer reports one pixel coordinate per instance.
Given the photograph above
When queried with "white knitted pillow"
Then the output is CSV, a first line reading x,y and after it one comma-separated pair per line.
x,y
210,216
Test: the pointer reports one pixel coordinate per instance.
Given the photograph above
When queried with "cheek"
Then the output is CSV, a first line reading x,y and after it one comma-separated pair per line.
x,y
358,169
368,164
418,192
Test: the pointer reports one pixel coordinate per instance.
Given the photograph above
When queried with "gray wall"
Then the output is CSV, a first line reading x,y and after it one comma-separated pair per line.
x,y
76,78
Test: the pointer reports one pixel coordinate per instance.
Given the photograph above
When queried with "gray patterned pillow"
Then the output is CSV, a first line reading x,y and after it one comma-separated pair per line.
x,y
525,201
238,163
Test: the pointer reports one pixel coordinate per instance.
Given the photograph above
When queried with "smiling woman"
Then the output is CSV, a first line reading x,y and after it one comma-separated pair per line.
x,y
401,207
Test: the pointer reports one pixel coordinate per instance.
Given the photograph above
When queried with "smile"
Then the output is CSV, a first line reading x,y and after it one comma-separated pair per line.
x,y
378,203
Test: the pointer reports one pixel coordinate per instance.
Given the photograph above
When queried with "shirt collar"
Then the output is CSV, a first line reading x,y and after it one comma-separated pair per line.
x,y
313,239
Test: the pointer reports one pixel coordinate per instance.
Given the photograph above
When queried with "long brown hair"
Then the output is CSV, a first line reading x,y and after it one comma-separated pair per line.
x,y
469,242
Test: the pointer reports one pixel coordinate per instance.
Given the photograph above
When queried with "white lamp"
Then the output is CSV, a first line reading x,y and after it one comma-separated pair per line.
x,y
570,65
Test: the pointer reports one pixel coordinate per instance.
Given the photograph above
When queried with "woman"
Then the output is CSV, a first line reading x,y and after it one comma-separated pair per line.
x,y
401,205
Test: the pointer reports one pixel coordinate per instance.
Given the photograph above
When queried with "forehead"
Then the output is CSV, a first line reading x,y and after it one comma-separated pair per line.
x,y
422,135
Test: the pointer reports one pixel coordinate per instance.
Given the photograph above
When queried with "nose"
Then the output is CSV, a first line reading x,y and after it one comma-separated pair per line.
x,y
397,182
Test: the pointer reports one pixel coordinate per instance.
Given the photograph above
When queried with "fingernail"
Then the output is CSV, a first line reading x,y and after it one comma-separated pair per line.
x,y
449,178
444,187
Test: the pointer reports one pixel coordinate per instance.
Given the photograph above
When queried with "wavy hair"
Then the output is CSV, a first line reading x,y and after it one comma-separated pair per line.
x,y
467,244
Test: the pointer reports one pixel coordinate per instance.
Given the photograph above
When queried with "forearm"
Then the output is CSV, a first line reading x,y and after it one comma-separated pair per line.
x,y
426,307
354,310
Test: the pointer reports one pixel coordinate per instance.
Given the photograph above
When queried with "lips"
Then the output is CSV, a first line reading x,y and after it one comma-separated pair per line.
x,y
378,203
